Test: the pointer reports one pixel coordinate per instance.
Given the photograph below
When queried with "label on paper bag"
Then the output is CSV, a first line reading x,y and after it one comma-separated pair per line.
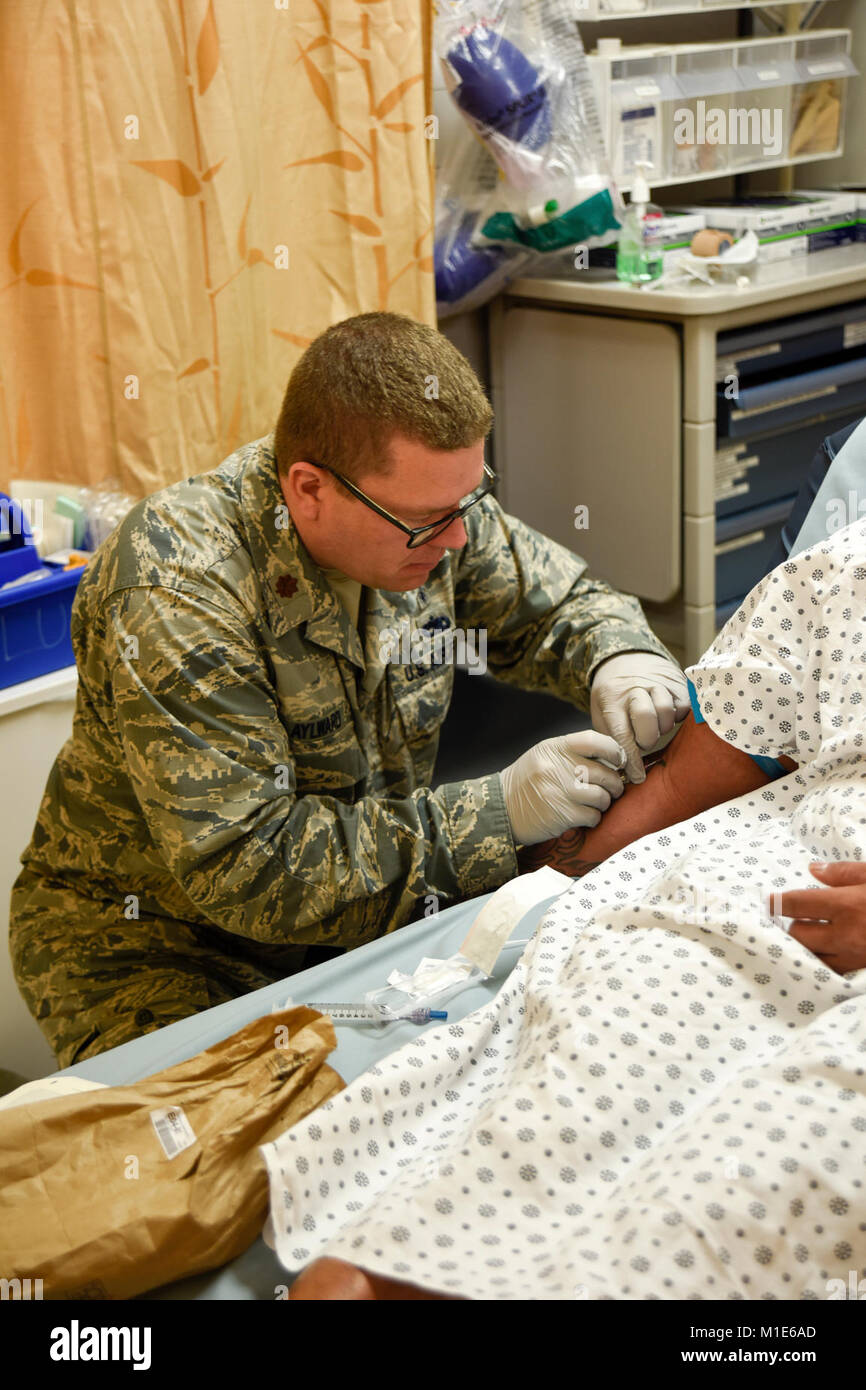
x,y
173,1130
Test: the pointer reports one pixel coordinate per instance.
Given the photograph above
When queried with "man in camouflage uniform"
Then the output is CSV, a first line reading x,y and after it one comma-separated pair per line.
x,y
249,774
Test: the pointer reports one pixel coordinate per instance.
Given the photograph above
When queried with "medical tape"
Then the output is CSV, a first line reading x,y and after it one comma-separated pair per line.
x,y
497,919
430,978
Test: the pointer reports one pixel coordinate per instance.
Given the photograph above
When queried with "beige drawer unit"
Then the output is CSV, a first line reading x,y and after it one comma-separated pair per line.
x,y
612,497
606,399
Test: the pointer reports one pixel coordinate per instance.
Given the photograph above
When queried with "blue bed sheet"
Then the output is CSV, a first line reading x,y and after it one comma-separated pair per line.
x,y
257,1274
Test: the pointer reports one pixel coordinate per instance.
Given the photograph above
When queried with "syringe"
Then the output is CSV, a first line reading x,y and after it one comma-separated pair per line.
x,y
365,1013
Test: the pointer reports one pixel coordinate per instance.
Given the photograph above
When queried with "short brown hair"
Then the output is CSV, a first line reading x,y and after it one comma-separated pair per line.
x,y
368,378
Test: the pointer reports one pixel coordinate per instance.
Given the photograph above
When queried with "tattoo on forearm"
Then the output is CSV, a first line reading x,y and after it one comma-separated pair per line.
x,y
562,853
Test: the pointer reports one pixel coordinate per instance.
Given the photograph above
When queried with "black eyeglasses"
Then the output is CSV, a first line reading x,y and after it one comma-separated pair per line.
x,y
418,535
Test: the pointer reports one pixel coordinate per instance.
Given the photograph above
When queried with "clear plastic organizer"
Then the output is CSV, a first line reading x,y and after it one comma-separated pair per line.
x,y
697,124
641,91
627,9
818,107
698,111
768,76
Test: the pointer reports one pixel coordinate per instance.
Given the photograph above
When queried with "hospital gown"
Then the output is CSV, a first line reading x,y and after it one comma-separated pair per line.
x,y
668,1097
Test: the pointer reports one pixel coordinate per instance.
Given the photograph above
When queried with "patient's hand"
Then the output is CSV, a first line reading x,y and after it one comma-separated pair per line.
x,y
695,771
831,922
330,1280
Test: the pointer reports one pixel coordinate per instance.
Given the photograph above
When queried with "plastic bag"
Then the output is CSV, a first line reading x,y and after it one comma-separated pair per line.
x,y
105,505
516,70
469,267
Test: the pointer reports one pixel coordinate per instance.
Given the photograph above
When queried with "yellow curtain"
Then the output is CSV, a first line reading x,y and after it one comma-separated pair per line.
x,y
193,189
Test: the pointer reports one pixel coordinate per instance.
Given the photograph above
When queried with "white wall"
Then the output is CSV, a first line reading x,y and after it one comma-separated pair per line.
x,y
30,739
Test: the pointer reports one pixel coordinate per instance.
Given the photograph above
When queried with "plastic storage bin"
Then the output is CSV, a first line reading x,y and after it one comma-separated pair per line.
x,y
698,111
604,9
34,614
630,9
642,95
699,133
818,109
766,73
34,627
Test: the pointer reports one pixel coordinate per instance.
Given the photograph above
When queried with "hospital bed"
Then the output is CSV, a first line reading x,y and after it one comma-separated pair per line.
x,y
257,1274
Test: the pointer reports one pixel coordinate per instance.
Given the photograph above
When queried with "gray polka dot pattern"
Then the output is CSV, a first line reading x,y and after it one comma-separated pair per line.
x,y
668,1098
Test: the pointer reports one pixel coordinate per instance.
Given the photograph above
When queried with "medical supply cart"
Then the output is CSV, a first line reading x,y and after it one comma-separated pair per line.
x,y
664,434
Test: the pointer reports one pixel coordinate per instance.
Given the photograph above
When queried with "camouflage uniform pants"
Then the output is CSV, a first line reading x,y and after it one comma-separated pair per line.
x,y
93,980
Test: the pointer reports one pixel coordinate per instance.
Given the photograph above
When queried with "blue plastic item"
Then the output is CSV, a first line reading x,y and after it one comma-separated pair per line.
x,y
462,267
500,87
35,615
34,627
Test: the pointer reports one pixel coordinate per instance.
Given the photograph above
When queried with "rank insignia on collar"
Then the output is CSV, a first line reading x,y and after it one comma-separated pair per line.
x,y
287,586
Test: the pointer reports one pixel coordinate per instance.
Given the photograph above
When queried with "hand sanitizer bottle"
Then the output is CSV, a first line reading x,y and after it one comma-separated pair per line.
x,y
640,258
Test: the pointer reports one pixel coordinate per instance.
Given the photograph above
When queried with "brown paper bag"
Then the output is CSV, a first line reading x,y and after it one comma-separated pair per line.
x,y
116,1191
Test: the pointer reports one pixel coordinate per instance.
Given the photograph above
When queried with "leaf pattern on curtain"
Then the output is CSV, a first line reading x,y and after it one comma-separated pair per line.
x,y
213,185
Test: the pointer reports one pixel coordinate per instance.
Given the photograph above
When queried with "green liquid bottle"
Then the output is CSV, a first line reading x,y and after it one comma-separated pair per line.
x,y
639,257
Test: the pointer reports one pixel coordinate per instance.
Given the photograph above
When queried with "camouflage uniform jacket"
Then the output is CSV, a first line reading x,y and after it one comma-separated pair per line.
x,y
248,774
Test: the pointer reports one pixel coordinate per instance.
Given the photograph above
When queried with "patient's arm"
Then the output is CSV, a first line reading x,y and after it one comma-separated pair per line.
x,y
695,771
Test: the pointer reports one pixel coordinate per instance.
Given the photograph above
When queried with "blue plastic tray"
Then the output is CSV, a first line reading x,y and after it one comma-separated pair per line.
x,y
34,627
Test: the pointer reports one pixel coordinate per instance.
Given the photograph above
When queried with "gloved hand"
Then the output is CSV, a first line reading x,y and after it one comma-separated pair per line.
x,y
557,784
637,697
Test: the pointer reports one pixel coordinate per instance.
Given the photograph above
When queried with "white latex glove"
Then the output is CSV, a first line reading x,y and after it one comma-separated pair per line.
x,y
636,698
557,784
